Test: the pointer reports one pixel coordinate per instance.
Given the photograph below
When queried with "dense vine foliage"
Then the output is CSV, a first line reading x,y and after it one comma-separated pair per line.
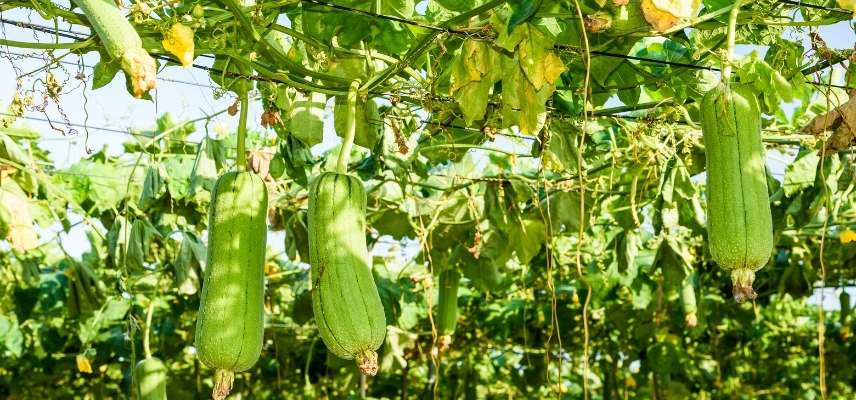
x,y
548,152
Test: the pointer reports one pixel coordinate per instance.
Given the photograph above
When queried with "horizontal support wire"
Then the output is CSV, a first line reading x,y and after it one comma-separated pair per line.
x,y
79,36
415,23
814,6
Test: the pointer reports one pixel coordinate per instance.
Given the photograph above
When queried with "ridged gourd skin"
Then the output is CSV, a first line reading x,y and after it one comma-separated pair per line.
x,y
121,41
345,300
740,226
150,375
230,323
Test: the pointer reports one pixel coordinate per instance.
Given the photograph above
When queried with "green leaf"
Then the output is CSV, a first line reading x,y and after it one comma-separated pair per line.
x,y
297,159
10,333
801,173
104,72
306,117
560,153
523,11
564,210
368,122
179,170
297,237
191,254
457,5
530,240
142,232
152,187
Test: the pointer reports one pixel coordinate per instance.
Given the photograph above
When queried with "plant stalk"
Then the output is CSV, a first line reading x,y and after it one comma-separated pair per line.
x,y
147,350
350,129
240,158
732,38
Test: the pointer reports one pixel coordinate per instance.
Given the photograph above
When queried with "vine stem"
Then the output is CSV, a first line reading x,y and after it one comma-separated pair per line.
x,y
350,129
581,233
821,316
240,158
732,38
147,350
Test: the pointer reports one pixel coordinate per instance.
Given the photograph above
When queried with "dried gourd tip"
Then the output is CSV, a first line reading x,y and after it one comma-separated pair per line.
x,y
444,343
742,293
222,384
367,362
691,320
742,280
141,70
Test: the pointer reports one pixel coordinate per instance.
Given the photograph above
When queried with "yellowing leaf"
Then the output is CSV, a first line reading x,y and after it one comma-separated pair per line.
x,y
664,14
660,20
475,62
15,213
553,67
848,236
538,60
678,8
178,40
83,364
847,4
522,104
473,98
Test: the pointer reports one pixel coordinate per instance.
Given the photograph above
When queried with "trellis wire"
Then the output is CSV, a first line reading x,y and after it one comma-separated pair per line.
x,y
560,47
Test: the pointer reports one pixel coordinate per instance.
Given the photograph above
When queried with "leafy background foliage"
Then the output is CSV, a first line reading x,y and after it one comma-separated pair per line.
x,y
574,207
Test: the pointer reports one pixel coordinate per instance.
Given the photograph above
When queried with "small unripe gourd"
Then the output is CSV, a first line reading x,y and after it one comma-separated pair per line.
x,y
447,302
150,376
122,43
345,300
688,300
230,324
447,305
739,222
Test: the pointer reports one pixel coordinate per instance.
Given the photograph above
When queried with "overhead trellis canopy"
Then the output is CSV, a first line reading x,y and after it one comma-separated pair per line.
x,y
549,151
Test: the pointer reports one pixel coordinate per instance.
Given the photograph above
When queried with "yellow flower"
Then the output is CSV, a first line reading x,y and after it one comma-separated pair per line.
x,y
848,236
178,40
83,364
847,4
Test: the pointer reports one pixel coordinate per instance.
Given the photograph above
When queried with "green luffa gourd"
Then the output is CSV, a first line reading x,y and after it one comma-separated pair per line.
x,y
230,324
739,222
447,306
345,300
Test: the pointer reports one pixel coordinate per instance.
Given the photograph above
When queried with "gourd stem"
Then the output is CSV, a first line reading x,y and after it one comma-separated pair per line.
x,y
240,158
350,129
732,33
